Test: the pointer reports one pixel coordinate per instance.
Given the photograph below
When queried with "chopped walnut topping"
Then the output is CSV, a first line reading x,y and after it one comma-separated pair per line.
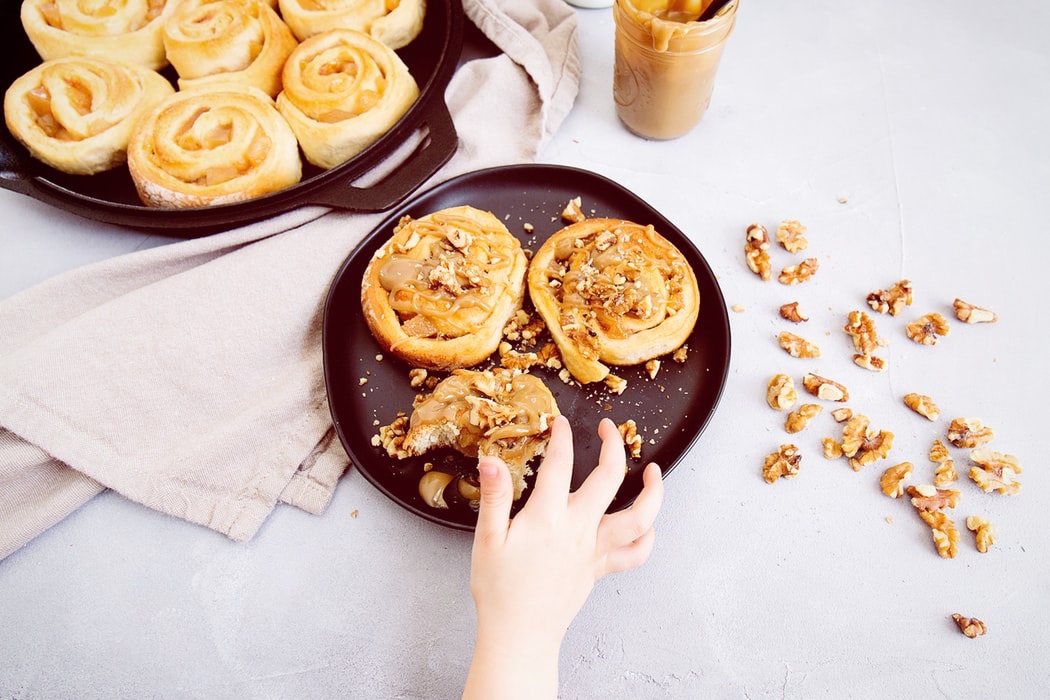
x,y
798,419
416,377
995,471
945,536
652,368
797,274
970,626
923,405
791,235
792,313
756,251
892,480
617,385
780,393
927,329
862,443
841,415
893,300
573,211
631,438
928,497
392,437
983,530
832,448
824,388
784,462
681,354
969,432
797,346
968,313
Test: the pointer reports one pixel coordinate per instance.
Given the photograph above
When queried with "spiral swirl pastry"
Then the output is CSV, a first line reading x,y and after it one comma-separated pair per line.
x,y
438,293
612,292
77,114
212,146
395,23
343,90
244,41
125,31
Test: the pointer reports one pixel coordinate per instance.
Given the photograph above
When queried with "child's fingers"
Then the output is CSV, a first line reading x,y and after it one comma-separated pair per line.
x,y
630,556
621,529
497,495
604,481
554,475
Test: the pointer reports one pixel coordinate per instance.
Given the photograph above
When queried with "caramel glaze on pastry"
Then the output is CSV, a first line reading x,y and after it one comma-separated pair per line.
x,y
343,90
126,31
395,24
612,292
439,292
212,146
77,114
497,412
242,41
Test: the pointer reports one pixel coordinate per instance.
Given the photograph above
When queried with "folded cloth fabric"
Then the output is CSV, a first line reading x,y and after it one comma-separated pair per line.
x,y
188,377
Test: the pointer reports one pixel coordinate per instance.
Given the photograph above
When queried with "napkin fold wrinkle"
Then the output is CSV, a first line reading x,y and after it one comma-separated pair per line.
x,y
189,377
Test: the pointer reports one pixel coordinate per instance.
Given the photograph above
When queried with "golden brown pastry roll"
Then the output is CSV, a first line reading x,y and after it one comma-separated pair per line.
x,y
438,293
343,90
126,31
222,144
394,23
242,41
76,114
612,292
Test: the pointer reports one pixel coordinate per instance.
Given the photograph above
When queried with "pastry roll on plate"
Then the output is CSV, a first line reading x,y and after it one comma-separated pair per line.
x,y
612,292
126,31
343,90
438,293
211,146
395,23
77,114
238,40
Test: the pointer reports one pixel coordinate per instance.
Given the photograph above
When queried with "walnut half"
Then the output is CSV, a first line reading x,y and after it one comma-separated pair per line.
x,y
780,393
824,388
968,313
970,626
785,462
983,530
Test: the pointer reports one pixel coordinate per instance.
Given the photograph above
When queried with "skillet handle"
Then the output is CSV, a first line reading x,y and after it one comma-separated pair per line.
x,y
14,173
435,149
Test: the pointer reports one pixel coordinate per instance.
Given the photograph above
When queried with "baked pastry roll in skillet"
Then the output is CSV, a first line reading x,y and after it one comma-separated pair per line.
x,y
612,292
126,31
343,90
395,24
240,40
438,293
77,114
225,143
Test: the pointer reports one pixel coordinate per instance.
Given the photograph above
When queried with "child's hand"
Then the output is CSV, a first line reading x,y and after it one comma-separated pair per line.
x,y
531,575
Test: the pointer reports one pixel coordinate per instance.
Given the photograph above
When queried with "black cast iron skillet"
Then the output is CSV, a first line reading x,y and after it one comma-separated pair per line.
x,y
110,197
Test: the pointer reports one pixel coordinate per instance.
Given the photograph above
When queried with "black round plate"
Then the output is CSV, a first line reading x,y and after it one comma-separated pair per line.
x,y
671,410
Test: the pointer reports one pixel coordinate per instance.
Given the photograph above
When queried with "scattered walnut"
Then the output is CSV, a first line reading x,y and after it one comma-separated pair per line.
x,y
892,480
923,405
861,329
875,364
780,393
862,443
928,497
631,438
738,308
939,452
832,448
824,388
616,384
945,473
792,313
969,432
983,530
893,300
784,462
798,419
681,354
796,274
995,471
968,313
841,415
797,346
945,536
791,235
970,626
416,377
927,329
573,211
756,251
652,367
392,437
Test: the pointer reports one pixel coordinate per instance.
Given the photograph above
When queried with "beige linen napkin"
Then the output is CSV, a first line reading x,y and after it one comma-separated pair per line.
x,y
189,377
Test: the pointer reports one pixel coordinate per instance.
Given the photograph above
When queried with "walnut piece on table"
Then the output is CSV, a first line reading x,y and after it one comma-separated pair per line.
x,y
797,346
945,535
861,329
756,251
970,626
995,471
983,530
832,448
785,462
797,274
968,313
780,392
928,329
791,312
893,300
862,443
798,419
927,497
892,480
824,388
969,432
791,235
843,414
923,405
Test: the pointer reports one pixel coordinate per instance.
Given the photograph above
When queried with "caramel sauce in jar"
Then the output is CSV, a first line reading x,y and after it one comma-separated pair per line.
x,y
665,64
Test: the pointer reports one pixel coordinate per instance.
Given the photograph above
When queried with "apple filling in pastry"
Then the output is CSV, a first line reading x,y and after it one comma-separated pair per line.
x,y
439,292
612,292
498,412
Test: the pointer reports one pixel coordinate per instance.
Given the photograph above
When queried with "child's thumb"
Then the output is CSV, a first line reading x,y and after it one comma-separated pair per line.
x,y
497,495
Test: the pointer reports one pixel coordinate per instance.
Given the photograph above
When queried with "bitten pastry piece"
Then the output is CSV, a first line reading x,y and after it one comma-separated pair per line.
x,y
343,90
212,146
612,292
440,291
243,41
127,31
77,114
395,23
496,412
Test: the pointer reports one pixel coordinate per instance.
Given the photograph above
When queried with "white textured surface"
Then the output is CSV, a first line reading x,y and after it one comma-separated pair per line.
x,y
930,121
